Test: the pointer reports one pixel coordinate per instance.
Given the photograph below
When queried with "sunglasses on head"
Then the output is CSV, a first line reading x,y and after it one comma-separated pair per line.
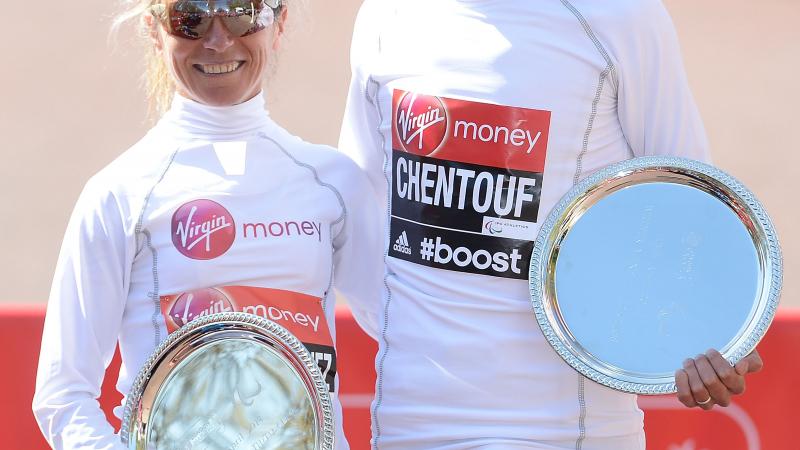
x,y
191,19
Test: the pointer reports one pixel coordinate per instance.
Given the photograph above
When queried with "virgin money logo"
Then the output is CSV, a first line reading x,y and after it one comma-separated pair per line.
x,y
201,302
202,229
421,123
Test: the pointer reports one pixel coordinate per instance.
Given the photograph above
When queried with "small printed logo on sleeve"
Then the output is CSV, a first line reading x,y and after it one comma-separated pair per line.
x,y
203,229
401,244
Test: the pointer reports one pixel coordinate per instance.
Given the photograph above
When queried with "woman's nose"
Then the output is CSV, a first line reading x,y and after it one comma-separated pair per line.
x,y
218,37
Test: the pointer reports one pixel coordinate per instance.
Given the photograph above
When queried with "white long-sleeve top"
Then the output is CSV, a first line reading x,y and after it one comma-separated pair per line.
x,y
211,197
472,119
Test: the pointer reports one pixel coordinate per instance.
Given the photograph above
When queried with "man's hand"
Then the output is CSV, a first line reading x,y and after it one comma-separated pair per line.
x,y
709,379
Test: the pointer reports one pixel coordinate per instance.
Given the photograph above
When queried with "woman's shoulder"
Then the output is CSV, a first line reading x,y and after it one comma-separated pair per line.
x,y
323,157
326,163
622,18
131,173
141,160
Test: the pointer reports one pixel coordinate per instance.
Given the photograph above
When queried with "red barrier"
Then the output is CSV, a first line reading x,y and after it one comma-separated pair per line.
x,y
764,418
761,419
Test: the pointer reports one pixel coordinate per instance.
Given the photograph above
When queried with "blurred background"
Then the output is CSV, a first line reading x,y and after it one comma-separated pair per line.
x,y
72,101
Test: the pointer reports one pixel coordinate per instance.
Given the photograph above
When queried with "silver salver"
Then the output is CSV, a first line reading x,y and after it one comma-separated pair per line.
x,y
229,381
651,261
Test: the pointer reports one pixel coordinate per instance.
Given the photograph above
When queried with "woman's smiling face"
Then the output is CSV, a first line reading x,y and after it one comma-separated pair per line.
x,y
220,68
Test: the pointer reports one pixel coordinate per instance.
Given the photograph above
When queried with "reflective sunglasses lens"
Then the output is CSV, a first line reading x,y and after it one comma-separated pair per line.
x,y
188,19
191,19
249,21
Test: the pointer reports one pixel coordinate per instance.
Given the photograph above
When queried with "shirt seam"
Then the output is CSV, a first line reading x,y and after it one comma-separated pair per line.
x,y
139,229
342,216
380,362
609,68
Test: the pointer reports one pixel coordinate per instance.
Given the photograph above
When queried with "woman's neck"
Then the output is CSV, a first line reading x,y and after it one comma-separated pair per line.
x,y
189,119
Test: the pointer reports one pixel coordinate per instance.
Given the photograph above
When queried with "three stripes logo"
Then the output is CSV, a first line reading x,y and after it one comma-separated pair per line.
x,y
401,244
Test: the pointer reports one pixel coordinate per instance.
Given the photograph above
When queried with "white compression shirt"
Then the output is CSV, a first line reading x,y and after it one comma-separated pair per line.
x,y
472,119
215,209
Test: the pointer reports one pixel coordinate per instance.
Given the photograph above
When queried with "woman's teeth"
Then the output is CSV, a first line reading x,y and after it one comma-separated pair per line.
x,y
219,68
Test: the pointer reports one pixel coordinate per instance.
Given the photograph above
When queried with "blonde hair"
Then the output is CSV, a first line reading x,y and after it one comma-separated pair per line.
x,y
158,82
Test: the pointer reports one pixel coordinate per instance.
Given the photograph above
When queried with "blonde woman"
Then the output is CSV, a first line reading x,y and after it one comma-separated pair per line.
x,y
217,208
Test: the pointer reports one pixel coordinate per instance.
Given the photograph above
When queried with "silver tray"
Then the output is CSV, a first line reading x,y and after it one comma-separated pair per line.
x,y
651,261
230,380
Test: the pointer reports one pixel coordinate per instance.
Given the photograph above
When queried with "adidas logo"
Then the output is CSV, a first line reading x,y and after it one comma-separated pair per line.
x,y
401,244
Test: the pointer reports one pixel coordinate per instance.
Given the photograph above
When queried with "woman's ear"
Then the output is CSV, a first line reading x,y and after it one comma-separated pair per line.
x,y
151,25
280,23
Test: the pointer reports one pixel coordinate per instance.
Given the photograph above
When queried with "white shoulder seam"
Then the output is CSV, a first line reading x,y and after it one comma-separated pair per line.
x,y
315,174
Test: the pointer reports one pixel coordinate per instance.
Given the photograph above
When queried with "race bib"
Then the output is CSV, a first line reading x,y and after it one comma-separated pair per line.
x,y
466,183
301,314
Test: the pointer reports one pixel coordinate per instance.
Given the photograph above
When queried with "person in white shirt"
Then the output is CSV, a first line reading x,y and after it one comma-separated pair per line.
x,y
217,208
472,119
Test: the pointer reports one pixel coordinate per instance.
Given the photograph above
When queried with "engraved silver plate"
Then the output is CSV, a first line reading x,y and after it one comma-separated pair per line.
x,y
229,381
651,261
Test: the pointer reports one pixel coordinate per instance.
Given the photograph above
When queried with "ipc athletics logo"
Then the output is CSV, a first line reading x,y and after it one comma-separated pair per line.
x,y
493,227
421,123
202,229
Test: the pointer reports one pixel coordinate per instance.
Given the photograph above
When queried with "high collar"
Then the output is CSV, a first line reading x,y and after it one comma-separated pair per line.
x,y
188,119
